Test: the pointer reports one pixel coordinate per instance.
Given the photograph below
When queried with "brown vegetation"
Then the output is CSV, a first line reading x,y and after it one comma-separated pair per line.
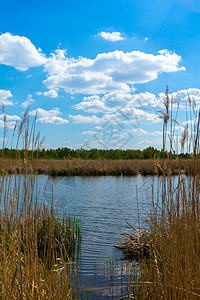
x,y
36,247
99,167
169,252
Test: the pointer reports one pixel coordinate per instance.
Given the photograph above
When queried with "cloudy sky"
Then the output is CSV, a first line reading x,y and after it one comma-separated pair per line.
x,y
95,71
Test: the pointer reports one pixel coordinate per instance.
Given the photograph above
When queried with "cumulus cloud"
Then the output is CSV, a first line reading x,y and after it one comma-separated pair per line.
x,y
49,116
28,102
130,105
111,36
111,102
10,117
18,52
88,132
190,122
132,115
95,104
4,97
80,119
184,97
109,72
50,94
157,133
126,115
155,142
10,120
10,125
137,131
98,127
124,133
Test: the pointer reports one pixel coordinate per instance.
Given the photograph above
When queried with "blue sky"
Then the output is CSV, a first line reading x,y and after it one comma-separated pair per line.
x,y
95,71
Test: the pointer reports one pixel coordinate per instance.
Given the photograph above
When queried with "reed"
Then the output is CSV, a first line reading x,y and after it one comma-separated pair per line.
x,y
37,249
97,167
169,252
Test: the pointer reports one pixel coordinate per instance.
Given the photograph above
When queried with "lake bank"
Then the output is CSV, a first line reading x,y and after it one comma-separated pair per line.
x,y
97,167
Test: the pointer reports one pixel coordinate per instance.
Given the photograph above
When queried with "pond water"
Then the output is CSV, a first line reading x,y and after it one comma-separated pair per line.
x,y
102,204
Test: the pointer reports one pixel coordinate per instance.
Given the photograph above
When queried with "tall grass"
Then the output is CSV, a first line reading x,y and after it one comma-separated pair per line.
x,y
37,248
96,167
170,267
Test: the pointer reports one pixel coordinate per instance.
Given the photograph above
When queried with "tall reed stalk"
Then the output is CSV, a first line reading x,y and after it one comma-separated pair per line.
x,y
36,247
169,266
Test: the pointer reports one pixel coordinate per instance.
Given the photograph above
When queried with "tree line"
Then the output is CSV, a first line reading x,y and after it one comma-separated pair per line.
x,y
91,154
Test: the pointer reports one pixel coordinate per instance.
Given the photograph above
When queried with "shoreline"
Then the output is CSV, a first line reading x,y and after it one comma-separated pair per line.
x,y
97,167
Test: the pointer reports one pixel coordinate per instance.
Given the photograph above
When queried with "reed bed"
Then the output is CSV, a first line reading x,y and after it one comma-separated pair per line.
x,y
169,252
98,167
37,249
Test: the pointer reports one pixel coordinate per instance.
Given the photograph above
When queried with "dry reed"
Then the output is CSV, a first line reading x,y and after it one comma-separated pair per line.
x,y
97,167
36,247
170,268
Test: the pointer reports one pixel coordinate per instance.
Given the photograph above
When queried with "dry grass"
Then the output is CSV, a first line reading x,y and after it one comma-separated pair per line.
x,y
36,247
173,269
137,243
169,253
99,167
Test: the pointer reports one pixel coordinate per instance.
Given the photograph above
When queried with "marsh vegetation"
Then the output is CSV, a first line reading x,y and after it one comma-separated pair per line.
x,y
37,249
98,167
169,252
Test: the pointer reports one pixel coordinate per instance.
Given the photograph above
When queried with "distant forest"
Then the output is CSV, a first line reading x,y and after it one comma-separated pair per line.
x,y
92,154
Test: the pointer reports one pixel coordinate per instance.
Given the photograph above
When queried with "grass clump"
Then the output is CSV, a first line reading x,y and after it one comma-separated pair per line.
x,y
169,253
172,269
37,249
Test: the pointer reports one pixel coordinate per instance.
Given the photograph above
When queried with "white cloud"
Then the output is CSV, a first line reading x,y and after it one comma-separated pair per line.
x,y
88,132
109,72
49,116
18,52
157,133
4,97
127,115
110,103
111,36
130,133
95,104
156,143
28,102
132,115
10,125
98,127
79,119
10,117
184,96
10,120
50,94
137,131
190,122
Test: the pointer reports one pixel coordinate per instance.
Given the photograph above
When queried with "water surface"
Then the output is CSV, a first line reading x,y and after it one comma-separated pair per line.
x,y
103,204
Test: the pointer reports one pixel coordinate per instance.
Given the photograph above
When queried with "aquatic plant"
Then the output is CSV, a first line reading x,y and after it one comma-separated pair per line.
x,y
37,249
170,268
